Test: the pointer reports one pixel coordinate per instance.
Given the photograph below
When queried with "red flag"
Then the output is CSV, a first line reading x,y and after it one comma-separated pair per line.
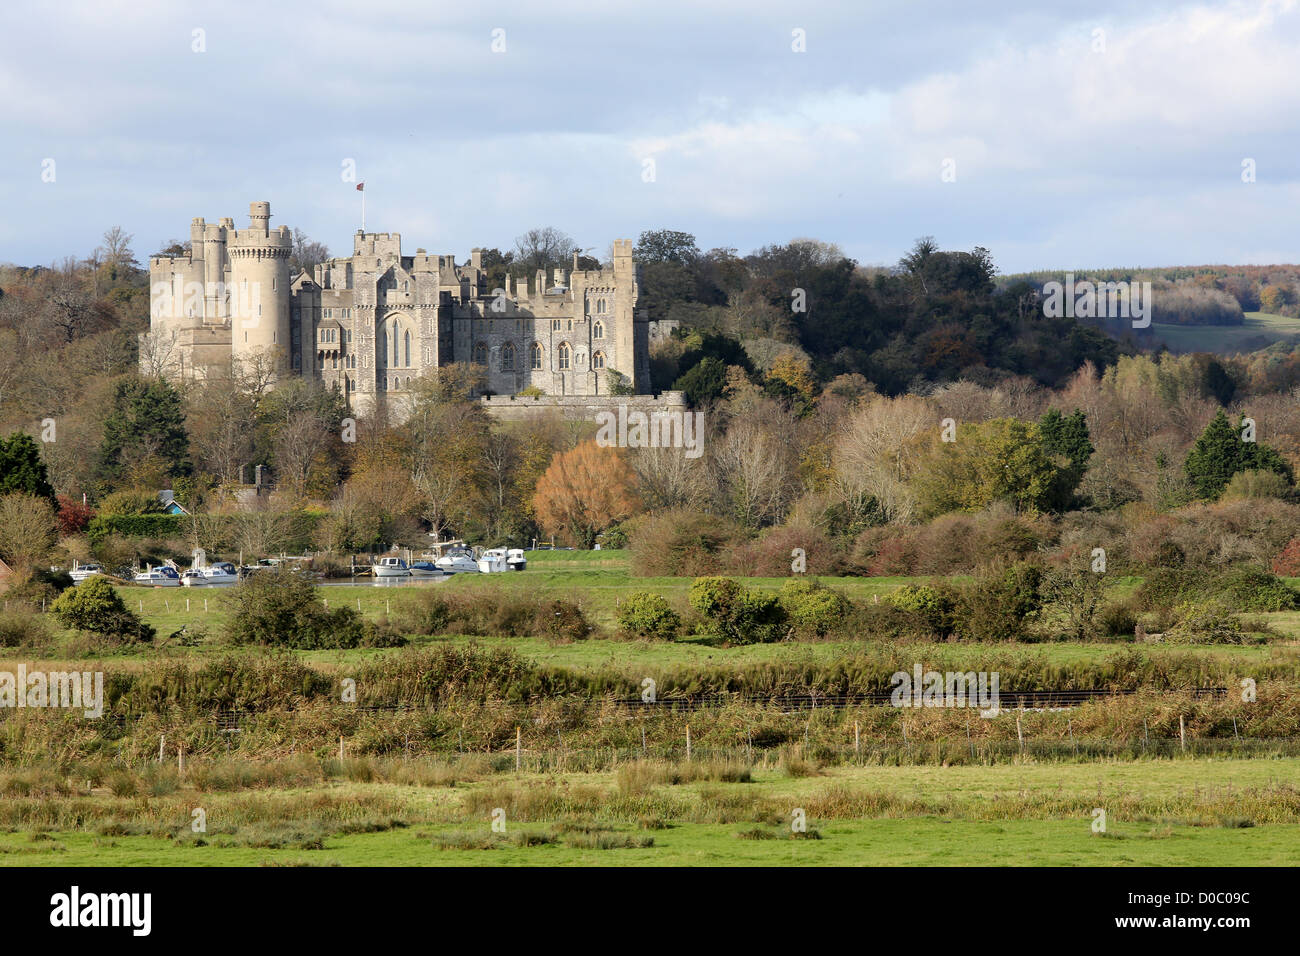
x,y
361,187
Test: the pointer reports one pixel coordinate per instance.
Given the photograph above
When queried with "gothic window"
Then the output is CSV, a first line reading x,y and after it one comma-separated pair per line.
x,y
407,340
480,353
600,306
535,356
563,354
507,357
598,360
568,324
598,330
555,325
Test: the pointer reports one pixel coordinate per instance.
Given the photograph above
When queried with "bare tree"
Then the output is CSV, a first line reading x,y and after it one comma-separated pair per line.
x,y
116,252
544,248
306,253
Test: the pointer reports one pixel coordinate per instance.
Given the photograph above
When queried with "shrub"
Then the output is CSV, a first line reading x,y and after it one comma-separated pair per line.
x,y
281,608
501,615
1117,619
934,607
563,622
680,541
95,606
1207,622
1287,563
644,614
814,608
1254,589
736,614
22,628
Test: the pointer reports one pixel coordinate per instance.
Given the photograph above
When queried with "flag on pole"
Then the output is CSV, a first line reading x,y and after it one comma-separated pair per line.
x,y
361,187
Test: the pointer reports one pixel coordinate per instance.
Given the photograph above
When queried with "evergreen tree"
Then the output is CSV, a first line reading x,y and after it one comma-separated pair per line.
x,y
21,468
146,419
1066,436
1221,452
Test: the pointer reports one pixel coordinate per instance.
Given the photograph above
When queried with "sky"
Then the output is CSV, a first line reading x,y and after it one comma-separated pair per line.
x,y
1057,135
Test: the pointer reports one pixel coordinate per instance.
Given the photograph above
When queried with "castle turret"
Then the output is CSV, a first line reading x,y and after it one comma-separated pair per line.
x,y
259,272
625,295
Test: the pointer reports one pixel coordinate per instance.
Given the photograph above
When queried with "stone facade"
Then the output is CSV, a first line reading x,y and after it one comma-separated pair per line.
x,y
372,323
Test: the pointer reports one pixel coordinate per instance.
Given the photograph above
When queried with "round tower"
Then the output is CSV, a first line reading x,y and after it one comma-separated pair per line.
x,y
259,272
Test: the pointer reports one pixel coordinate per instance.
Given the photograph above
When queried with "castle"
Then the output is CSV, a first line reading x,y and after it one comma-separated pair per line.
x,y
372,323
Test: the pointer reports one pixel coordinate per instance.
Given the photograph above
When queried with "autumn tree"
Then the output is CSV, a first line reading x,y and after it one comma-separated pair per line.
x,y
28,531
584,492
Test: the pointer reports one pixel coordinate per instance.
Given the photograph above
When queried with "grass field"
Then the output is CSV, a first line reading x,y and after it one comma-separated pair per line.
x,y
1159,813
1261,329
275,794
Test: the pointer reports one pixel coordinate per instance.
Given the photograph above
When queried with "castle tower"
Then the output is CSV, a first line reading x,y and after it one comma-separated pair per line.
x,y
625,295
259,274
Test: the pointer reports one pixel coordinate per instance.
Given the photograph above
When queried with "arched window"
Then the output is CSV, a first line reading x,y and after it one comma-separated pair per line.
x,y
407,340
535,355
480,353
508,357
598,330
598,360
600,306
563,355
397,344
555,325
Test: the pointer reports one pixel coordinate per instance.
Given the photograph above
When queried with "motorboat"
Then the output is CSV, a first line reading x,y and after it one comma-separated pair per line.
x,y
80,572
163,576
426,569
515,559
493,560
220,573
458,561
391,567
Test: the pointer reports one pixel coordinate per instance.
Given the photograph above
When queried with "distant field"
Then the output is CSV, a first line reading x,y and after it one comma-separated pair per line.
x,y
1260,330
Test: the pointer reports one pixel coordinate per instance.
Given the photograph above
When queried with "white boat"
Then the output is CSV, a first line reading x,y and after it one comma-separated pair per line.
x,y
515,559
80,572
493,560
162,576
426,569
220,573
458,561
391,567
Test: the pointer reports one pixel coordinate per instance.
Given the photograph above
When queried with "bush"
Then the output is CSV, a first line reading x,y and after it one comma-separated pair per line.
x,y
1287,563
1000,606
281,608
813,608
682,542
1117,619
23,628
501,615
95,606
933,607
736,614
1208,622
646,615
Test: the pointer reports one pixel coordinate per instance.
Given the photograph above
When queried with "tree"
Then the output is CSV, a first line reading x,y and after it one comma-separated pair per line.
x,y
704,382
1003,458
666,245
21,468
306,254
28,531
543,248
1221,452
145,420
584,492
1067,437
115,254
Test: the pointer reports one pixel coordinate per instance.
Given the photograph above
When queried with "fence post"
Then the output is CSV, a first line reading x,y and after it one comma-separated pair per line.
x,y
857,744
162,744
1182,733
181,758
1020,736
1234,728
688,741
643,739
1146,735
518,747
340,746
1070,724
970,740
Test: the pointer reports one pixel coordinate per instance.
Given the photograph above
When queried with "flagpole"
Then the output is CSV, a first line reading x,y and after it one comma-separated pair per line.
x,y
363,210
